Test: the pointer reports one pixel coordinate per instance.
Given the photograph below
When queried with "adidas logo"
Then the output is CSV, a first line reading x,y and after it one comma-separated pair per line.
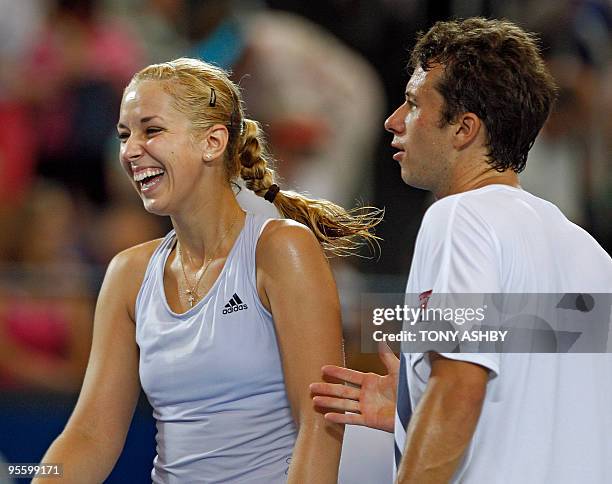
x,y
234,304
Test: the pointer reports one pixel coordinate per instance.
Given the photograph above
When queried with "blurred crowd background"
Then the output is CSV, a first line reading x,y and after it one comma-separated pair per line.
x,y
320,75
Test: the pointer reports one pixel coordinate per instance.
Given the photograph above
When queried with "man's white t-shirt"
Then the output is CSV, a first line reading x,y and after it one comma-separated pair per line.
x,y
546,417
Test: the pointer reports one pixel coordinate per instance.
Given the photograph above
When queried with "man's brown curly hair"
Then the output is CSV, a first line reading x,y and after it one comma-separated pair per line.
x,y
493,69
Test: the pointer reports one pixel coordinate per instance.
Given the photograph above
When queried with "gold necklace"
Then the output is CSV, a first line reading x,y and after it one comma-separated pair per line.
x,y
192,291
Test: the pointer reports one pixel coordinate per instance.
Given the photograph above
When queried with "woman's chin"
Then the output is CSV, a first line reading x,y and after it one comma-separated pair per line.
x,y
154,207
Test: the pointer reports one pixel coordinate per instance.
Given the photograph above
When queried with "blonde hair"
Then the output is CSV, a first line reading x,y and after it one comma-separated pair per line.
x,y
206,95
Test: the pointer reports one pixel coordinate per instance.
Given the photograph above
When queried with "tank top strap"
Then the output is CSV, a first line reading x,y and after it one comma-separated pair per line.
x,y
155,267
253,228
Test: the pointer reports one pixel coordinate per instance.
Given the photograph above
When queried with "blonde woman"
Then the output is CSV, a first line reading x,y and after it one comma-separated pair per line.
x,y
226,320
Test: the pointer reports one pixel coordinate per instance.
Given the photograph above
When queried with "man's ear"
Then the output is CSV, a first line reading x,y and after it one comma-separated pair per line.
x,y
466,130
214,142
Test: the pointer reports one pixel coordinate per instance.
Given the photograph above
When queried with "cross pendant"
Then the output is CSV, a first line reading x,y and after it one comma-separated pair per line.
x,y
190,297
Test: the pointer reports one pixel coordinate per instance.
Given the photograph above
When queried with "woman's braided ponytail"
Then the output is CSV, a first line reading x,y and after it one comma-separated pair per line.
x,y
254,169
339,231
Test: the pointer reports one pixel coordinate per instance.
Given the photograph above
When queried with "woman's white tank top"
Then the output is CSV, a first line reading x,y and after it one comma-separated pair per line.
x,y
213,375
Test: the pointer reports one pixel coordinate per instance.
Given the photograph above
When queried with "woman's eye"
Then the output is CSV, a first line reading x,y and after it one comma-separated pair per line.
x,y
123,136
153,130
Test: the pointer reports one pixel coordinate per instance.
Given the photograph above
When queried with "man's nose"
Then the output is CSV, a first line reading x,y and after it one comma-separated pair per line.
x,y
394,123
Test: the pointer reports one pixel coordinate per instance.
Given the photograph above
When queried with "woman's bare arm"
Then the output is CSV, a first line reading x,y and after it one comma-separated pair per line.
x,y
91,443
297,285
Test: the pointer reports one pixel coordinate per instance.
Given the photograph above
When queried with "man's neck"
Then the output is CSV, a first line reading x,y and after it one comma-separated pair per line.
x,y
474,179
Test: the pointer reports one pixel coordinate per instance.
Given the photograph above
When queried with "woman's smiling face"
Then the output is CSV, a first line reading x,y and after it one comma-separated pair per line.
x,y
159,151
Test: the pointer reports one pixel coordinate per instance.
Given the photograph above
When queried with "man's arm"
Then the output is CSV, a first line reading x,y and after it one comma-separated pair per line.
x,y
443,424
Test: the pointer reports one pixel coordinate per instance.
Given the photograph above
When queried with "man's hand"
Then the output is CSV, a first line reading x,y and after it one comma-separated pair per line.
x,y
371,398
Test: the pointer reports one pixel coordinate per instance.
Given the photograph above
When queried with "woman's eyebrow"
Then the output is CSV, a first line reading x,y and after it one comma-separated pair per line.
x,y
142,120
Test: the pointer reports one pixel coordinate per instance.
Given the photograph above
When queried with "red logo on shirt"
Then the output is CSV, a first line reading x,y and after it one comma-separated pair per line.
x,y
424,299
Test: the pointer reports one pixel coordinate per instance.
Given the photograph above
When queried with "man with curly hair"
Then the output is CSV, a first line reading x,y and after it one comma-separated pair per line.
x,y
478,95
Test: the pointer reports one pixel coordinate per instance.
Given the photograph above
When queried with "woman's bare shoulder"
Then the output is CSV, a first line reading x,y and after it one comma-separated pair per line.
x,y
284,242
284,232
136,258
127,269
